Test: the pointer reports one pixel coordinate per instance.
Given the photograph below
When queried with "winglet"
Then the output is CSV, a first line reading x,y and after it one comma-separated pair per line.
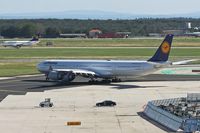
x,y
162,54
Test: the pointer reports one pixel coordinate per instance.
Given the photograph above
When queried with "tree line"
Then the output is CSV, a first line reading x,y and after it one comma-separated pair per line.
x,y
27,28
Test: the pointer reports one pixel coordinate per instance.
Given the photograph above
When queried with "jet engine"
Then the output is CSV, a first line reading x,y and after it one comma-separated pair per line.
x,y
61,76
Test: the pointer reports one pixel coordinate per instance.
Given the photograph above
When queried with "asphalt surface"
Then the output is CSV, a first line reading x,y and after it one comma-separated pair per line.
x,y
22,85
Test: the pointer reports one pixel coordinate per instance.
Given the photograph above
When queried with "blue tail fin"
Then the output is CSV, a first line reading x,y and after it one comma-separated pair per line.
x,y
35,38
162,54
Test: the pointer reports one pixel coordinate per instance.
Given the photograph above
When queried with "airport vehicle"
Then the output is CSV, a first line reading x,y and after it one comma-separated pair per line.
x,y
106,103
110,70
46,103
18,44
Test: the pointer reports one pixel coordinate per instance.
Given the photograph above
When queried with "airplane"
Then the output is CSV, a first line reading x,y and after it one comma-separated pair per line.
x,y
107,70
195,34
18,44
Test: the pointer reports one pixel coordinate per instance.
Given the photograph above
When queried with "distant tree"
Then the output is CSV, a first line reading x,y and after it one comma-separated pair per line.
x,y
11,32
52,32
52,27
28,31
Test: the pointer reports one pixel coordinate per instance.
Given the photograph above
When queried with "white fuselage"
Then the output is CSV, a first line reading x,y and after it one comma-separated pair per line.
x,y
19,43
103,68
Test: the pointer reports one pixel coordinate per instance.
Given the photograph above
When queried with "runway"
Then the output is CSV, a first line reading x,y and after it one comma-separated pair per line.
x,y
22,85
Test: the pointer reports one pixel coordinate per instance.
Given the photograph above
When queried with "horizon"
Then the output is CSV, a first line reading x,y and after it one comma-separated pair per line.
x,y
155,7
95,15
94,11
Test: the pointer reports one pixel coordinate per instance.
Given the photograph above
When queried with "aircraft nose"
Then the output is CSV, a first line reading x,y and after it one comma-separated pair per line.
x,y
40,67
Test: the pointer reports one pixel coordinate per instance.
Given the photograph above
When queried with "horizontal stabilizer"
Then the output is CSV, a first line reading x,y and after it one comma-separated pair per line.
x,y
184,62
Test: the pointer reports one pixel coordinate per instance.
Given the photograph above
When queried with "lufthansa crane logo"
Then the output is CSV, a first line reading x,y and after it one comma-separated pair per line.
x,y
165,47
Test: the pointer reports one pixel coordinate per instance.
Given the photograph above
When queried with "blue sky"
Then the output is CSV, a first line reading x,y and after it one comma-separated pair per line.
x,y
127,6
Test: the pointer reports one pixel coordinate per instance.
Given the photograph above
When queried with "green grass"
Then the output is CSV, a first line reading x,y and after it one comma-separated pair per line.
x,y
130,42
44,53
23,61
14,69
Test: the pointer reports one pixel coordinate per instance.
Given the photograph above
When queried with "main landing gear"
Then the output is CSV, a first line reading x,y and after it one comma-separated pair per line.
x,y
47,77
116,80
92,81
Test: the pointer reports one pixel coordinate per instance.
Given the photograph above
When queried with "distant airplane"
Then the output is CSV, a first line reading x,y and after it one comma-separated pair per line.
x,y
195,34
108,70
18,44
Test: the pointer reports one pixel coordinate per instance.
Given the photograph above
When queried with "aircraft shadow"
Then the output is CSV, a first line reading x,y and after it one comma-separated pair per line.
x,y
38,80
57,85
124,86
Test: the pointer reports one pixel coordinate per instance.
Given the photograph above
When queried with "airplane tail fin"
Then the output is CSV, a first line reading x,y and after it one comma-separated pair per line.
x,y
162,54
35,38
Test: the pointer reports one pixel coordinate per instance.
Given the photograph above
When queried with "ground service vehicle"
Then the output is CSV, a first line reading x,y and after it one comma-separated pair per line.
x,y
46,103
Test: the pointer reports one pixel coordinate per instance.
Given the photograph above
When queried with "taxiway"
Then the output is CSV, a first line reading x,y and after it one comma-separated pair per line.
x,y
20,111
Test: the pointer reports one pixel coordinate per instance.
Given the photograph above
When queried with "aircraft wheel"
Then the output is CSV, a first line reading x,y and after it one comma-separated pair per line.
x,y
93,81
116,80
47,79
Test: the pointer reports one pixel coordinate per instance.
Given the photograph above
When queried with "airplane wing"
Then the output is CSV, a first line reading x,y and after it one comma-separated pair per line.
x,y
81,72
69,74
184,62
